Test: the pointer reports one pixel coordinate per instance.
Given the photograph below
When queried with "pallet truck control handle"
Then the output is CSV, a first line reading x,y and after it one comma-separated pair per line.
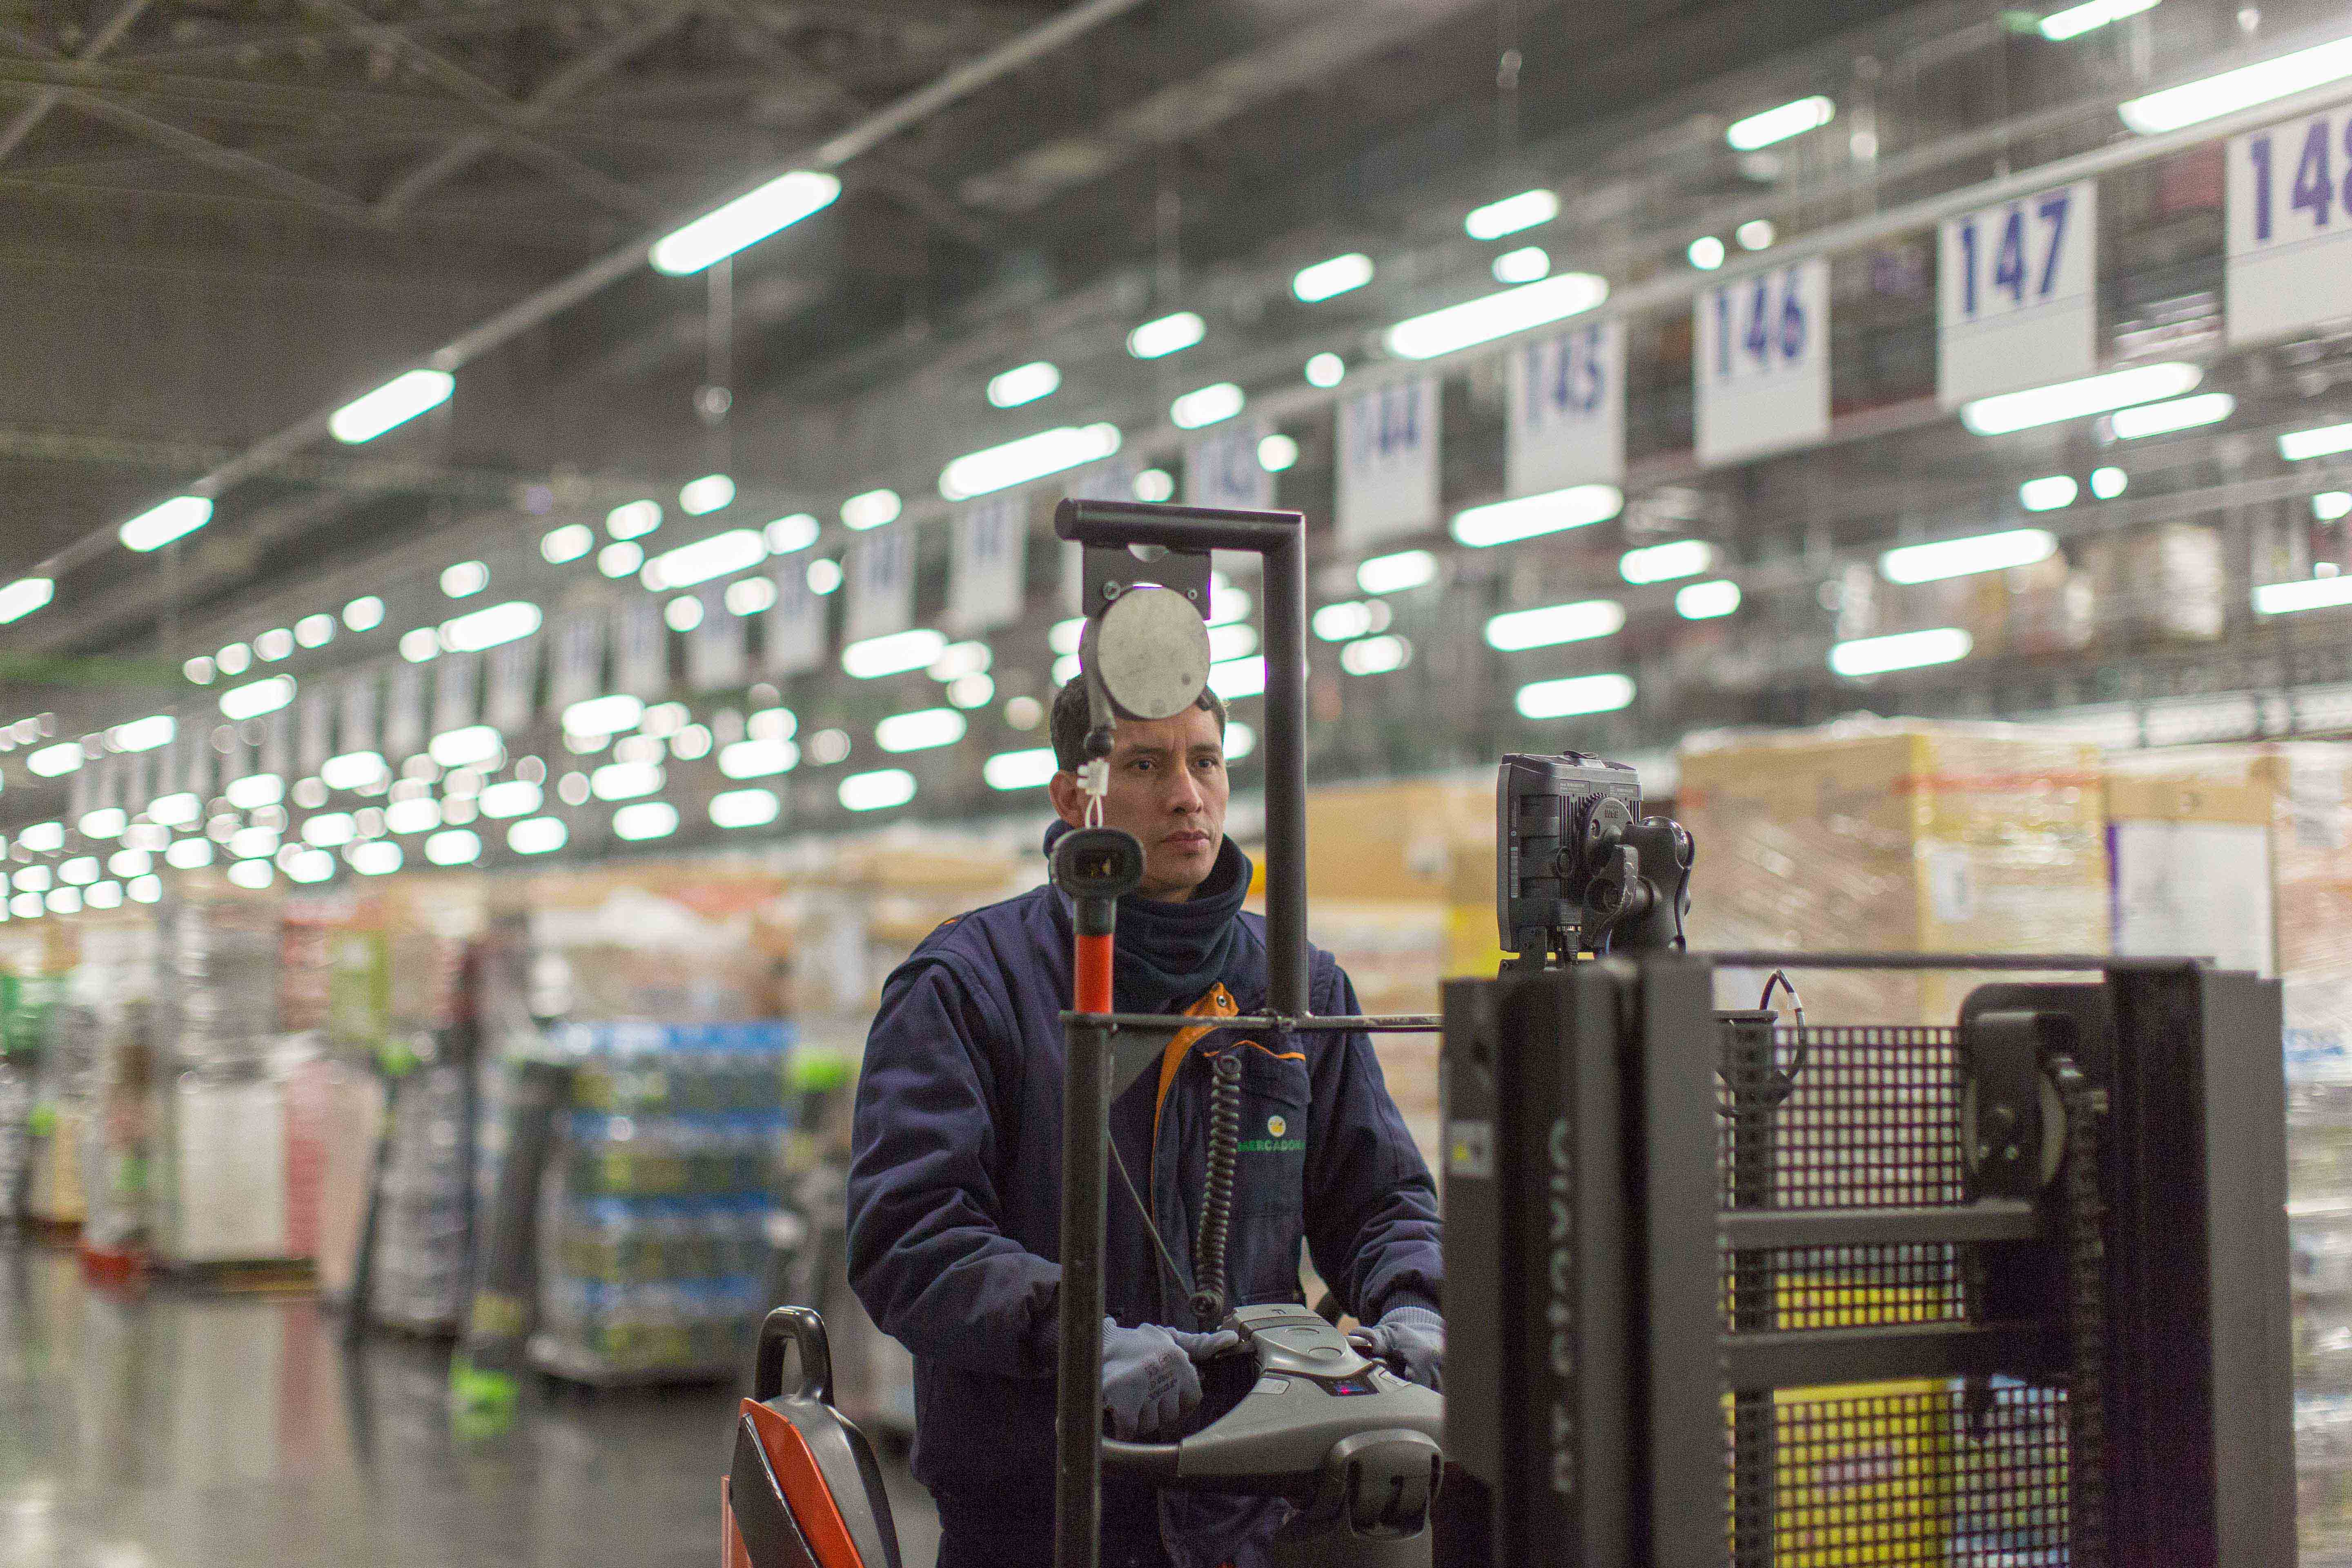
x,y
803,1329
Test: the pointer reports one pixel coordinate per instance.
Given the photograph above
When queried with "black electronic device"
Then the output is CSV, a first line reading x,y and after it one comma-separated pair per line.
x,y
1577,869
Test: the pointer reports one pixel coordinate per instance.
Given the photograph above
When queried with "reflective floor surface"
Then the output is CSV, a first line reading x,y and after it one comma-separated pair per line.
x,y
189,1432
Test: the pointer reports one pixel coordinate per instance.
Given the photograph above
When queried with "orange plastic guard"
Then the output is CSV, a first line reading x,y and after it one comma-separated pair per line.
x,y
1094,962
804,1491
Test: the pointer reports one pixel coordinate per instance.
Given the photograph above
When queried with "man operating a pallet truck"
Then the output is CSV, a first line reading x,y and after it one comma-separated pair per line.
x,y
954,1187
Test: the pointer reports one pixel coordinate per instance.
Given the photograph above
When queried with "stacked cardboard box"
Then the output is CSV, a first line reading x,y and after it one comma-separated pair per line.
x,y
1899,836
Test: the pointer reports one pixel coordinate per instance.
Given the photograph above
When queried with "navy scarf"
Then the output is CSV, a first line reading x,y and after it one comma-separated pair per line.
x,y
1168,953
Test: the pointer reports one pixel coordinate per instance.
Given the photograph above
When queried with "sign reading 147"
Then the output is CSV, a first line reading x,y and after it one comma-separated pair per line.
x,y
1762,362
2016,294
2289,212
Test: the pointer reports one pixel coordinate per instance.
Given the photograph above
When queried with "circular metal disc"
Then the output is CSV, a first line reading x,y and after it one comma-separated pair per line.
x,y
1152,649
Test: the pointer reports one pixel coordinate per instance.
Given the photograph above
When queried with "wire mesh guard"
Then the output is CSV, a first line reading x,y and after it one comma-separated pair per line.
x,y
1924,1470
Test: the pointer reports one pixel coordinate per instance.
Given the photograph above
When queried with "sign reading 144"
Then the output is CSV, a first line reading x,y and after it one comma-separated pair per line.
x,y
1762,362
2289,203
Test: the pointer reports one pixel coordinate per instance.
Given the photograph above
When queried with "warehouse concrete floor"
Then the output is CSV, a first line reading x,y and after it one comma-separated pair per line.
x,y
190,1431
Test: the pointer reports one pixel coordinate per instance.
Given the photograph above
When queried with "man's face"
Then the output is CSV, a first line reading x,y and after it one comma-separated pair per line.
x,y
1168,788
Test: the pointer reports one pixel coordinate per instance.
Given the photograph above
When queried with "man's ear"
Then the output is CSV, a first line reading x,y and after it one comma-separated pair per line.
x,y
1069,800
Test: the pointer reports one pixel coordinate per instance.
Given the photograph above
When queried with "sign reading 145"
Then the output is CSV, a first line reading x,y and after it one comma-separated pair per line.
x,y
1761,326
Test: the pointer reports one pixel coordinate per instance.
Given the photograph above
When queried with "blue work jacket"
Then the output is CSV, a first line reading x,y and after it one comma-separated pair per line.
x,y
955,1179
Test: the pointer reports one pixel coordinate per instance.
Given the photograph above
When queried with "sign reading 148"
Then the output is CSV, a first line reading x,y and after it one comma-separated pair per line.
x,y
2289,210
1761,361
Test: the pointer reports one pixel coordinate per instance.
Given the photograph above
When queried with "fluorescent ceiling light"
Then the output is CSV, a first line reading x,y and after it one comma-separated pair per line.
x,y
350,769
2109,482
1705,253
646,819
2047,493
1155,485
454,846
274,643
2311,594
603,715
786,534
1231,640
961,659
618,560
1325,370
23,596
106,821
255,698
419,815
145,890
54,761
634,519
81,871
1706,600
253,843
823,577
1239,677
1904,650
1020,770
747,220
470,747
460,581
174,810
419,644
1166,335
315,630
892,655
877,791
2076,20
625,781
489,627
44,838
2008,411
870,509
1665,562
255,791
759,758
1031,457
32,879
771,724
735,550
1524,265
330,830
2180,414
2191,102
2329,505
391,405
744,807
1505,522
1327,279
1552,623
105,896
378,858
1277,453
1779,124
1495,315
1573,694
1024,384
305,864
1395,574
568,543
537,836
2325,441
511,797
1206,405
143,735
706,494
199,669
1375,656
920,730
1756,234
1064,636
251,875
683,613
1511,215
1240,739
363,613
175,519
129,863
1350,618
1963,557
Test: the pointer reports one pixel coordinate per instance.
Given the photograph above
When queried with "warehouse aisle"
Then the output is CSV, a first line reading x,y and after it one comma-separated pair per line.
x,y
191,1432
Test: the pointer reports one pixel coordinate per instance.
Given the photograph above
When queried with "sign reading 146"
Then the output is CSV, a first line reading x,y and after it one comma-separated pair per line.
x,y
2289,210
1763,362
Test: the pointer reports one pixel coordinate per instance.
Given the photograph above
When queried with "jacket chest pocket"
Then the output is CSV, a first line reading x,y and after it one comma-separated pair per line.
x,y
1270,1156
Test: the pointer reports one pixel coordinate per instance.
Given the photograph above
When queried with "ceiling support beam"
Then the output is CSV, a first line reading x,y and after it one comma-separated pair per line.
x,y
29,119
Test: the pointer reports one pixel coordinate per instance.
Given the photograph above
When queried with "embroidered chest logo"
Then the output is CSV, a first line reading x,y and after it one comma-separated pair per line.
x,y
1275,1141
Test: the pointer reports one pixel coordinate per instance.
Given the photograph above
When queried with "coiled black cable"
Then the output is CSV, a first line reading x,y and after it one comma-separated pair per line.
x,y
1217,1195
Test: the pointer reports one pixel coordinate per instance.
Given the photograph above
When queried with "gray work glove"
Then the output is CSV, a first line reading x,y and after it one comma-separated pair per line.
x,y
1148,1381
1411,1340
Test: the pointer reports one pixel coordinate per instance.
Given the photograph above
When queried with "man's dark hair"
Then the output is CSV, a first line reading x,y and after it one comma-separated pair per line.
x,y
1071,722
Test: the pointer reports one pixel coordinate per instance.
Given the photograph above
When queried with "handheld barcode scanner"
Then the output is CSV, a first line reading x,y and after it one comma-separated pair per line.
x,y
1353,1445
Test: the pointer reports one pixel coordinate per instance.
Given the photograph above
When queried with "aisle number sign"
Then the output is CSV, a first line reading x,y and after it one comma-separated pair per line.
x,y
1388,462
2016,295
2289,212
1568,410
1222,469
1762,362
